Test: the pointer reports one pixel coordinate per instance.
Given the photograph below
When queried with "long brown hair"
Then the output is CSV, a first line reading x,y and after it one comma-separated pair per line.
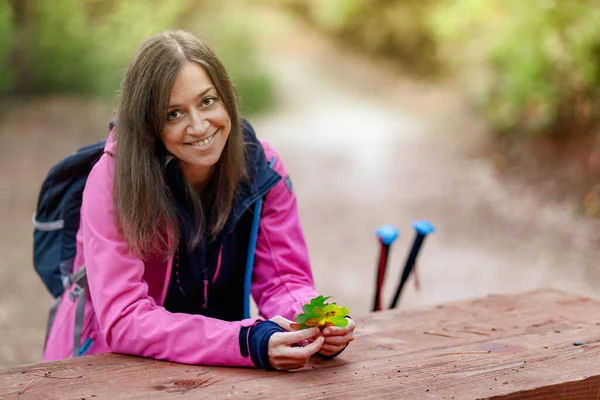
x,y
144,208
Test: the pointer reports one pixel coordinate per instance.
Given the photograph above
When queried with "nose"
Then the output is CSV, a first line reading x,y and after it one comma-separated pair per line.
x,y
197,123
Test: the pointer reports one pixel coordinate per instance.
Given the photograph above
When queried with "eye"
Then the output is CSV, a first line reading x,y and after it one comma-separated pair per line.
x,y
208,101
173,115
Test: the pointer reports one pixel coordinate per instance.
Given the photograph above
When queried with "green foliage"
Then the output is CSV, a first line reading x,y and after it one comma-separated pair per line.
x,y
336,15
82,46
233,36
71,50
397,30
319,313
534,66
6,37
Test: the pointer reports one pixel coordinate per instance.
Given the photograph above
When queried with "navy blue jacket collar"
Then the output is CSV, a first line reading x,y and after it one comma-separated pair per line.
x,y
261,179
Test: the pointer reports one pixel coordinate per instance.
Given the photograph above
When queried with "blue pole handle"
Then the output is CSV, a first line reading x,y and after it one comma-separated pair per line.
x,y
422,229
387,234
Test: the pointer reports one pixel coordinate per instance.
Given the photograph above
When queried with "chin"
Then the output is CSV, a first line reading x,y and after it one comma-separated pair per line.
x,y
209,163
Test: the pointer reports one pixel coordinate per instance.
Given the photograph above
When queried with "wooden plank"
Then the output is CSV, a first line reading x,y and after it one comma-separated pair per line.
x,y
537,345
579,390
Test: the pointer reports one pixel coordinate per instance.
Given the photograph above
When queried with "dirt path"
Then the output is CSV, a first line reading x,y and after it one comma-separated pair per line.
x,y
364,147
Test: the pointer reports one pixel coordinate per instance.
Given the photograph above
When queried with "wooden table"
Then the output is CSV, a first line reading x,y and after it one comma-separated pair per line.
x,y
537,345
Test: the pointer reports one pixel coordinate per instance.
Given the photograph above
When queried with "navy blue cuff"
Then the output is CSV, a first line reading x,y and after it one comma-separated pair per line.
x,y
258,342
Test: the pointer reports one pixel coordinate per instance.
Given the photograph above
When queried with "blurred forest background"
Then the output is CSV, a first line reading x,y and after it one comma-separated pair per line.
x,y
481,116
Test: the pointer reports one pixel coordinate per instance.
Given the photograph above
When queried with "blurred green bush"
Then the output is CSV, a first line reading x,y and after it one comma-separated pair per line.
x,y
533,66
6,37
82,46
233,35
397,29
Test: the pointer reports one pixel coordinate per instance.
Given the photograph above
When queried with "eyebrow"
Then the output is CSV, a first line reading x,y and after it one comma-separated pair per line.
x,y
208,89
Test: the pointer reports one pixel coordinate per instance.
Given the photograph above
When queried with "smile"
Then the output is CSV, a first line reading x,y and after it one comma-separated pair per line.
x,y
204,142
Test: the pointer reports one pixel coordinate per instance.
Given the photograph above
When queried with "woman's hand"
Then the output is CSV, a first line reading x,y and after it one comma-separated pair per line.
x,y
291,350
336,338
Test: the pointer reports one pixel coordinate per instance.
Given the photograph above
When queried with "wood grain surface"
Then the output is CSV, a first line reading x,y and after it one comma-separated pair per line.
x,y
536,345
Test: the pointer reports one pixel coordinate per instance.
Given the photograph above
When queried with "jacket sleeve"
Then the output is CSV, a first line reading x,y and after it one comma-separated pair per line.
x,y
282,280
129,319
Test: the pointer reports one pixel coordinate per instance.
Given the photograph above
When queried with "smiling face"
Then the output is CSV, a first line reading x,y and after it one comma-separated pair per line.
x,y
197,124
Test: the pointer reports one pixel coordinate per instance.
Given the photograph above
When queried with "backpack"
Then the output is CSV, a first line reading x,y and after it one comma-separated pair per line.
x,y
56,222
56,219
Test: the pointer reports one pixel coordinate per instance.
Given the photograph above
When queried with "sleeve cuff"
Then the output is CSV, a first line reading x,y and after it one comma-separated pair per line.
x,y
258,342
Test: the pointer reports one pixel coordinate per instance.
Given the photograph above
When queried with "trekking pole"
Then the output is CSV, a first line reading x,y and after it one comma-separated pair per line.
x,y
386,234
422,228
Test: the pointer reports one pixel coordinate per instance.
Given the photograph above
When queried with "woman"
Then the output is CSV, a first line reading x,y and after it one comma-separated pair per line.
x,y
185,202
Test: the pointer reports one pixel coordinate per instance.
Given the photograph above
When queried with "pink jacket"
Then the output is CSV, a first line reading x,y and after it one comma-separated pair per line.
x,y
124,312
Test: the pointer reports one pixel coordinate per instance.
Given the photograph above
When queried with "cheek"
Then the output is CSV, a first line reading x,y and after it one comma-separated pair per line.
x,y
224,118
227,125
170,139
170,134
163,136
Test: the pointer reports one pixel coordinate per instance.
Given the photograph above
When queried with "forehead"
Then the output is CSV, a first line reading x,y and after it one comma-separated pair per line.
x,y
190,82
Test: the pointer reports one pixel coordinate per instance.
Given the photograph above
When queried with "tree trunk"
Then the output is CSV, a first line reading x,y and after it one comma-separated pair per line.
x,y
20,61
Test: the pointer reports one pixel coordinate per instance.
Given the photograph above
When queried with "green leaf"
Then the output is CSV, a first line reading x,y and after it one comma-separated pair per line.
x,y
338,321
319,313
318,301
302,318
343,312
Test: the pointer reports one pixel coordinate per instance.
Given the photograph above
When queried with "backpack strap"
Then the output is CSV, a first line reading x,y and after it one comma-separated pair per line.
x,y
80,277
78,294
51,317
65,269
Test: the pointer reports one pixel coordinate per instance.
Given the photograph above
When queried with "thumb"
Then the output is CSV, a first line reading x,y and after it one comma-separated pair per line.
x,y
283,322
290,338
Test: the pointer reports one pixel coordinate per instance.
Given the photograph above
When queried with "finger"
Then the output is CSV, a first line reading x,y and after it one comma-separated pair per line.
x,y
305,342
288,366
283,322
283,352
339,340
329,350
337,331
332,347
288,338
284,360
315,346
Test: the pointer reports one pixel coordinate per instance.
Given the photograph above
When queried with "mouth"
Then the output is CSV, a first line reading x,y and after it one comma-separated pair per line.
x,y
204,142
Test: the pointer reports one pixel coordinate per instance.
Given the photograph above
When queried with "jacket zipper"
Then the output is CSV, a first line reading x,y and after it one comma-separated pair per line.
x,y
205,280
205,271
218,268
